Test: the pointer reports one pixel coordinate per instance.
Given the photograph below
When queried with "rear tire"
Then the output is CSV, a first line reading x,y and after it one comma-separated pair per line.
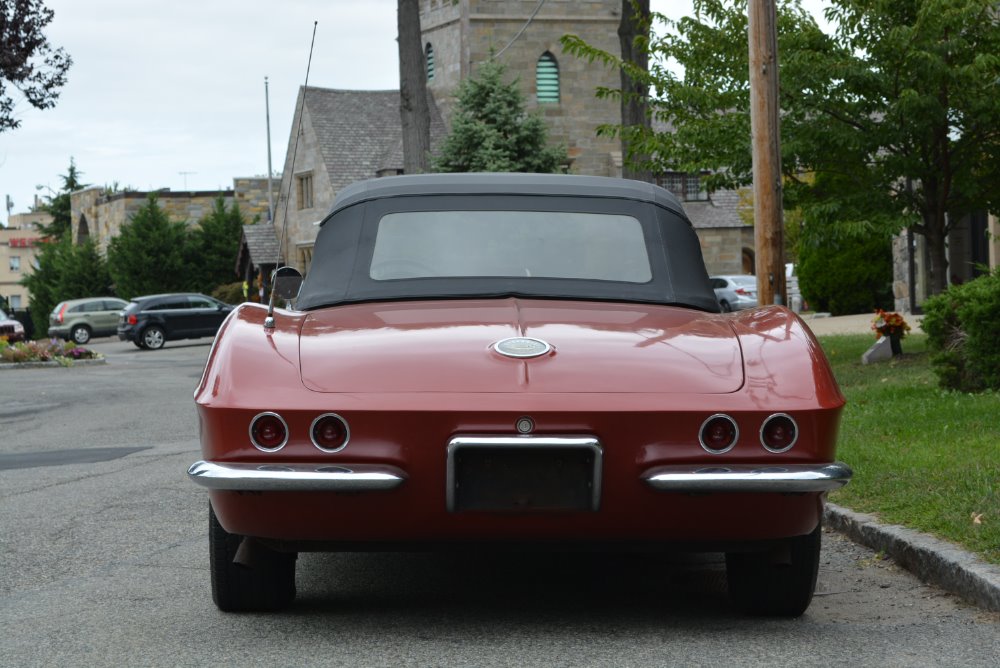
x,y
725,307
153,337
775,583
80,334
268,585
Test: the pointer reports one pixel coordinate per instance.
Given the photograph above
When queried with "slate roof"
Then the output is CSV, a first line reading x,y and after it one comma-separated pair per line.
x,y
359,131
260,244
720,210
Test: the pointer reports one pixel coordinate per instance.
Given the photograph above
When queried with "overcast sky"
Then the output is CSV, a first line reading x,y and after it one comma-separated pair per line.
x,y
171,94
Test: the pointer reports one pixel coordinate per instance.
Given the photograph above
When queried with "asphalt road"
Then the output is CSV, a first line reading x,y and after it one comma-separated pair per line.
x,y
104,562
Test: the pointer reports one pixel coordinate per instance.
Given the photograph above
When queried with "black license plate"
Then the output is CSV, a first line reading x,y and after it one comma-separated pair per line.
x,y
518,479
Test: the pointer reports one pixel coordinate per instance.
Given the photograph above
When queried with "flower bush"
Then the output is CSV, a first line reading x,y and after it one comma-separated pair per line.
x,y
53,350
889,324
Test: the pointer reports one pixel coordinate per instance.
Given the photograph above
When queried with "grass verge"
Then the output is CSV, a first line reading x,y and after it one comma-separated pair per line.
x,y
923,457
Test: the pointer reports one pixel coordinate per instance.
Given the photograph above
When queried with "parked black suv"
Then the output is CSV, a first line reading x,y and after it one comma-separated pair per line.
x,y
151,321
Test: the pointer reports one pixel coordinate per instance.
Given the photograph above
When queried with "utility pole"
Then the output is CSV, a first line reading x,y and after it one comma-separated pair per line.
x,y
766,145
270,172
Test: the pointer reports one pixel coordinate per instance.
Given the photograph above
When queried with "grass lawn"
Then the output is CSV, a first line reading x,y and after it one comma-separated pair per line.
x,y
923,457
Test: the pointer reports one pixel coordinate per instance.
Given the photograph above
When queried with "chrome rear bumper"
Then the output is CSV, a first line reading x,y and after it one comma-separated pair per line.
x,y
791,478
295,477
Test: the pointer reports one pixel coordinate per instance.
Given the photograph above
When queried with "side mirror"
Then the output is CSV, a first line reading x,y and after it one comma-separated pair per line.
x,y
286,282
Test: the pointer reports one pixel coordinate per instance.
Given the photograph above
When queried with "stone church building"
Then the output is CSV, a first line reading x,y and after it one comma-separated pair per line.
x,y
348,135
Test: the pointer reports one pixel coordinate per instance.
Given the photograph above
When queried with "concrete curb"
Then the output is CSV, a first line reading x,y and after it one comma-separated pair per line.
x,y
930,559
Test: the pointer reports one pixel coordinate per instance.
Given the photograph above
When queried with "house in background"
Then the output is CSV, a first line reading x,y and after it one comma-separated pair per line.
x,y
342,136
18,247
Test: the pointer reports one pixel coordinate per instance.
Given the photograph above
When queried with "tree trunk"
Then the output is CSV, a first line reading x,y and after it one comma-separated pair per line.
x,y
634,21
414,110
934,234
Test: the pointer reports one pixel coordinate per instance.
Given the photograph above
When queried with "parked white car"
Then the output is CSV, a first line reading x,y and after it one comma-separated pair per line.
x,y
735,292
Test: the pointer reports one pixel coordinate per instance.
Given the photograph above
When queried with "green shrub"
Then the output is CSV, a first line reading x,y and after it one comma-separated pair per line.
x,y
963,330
231,293
847,275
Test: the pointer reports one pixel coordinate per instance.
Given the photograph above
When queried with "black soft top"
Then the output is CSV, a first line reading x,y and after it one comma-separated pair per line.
x,y
345,243
504,184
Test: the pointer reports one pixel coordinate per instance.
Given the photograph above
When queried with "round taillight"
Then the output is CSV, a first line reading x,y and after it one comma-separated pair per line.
x,y
718,434
779,433
330,432
268,432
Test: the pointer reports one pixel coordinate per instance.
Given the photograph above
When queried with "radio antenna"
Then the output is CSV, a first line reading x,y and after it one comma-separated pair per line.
x,y
269,320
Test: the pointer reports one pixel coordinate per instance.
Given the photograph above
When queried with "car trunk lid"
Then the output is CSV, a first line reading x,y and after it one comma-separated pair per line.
x,y
447,346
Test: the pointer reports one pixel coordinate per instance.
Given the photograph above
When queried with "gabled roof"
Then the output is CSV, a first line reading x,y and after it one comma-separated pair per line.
x,y
359,131
259,245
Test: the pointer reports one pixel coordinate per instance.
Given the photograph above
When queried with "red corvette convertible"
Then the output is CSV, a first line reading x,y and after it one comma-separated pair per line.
x,y
522,360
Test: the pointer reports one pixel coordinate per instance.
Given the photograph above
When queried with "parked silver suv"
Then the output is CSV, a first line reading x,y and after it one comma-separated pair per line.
x,y
80,319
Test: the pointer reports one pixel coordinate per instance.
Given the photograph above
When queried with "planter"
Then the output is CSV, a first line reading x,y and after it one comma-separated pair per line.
x,y
895,343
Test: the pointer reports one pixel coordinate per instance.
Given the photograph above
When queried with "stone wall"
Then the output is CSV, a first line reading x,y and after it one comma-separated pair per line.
x,y
251,196
722,248
442,25
100,216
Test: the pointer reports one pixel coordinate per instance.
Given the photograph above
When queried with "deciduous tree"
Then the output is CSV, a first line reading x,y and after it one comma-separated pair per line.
x,y
896,112
28,63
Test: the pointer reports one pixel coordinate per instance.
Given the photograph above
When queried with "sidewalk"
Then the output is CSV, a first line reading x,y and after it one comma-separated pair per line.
x,y
821,324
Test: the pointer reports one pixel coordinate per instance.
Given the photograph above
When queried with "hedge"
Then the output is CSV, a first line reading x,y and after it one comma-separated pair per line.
x,y
963,330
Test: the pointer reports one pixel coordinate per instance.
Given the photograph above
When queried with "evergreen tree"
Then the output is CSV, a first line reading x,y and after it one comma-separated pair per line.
x,y
492,132
83,272
214,245
42,282
59,206
148,255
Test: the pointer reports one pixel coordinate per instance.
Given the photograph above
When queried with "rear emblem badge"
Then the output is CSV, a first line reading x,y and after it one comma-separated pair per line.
x,y
522,347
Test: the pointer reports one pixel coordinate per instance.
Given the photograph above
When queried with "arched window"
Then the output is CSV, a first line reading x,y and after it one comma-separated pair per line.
x,y
82,231
547,79
429,56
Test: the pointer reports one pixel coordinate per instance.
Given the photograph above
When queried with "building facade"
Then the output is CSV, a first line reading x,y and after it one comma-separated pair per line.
x,y
18,247
342,136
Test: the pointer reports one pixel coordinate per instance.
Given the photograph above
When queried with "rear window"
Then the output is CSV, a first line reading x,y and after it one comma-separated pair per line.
x,y
538,244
